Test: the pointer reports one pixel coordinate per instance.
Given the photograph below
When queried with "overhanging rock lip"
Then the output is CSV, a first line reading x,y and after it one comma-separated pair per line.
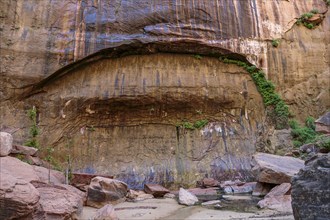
x,y
136,47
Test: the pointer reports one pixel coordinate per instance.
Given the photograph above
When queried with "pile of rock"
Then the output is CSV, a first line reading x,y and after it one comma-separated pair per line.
x,y
26,192
274,174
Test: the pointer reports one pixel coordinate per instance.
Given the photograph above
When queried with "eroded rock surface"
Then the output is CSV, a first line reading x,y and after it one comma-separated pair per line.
x,y
59,201
18,169
18,198
311,189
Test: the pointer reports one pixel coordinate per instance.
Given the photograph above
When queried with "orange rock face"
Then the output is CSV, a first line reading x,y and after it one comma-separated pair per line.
x,y
121,82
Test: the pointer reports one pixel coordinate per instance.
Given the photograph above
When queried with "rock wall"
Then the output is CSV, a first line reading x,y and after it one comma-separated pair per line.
x,y
130,117
45,43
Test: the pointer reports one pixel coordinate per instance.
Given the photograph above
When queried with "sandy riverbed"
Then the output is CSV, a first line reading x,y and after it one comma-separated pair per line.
x,y
169,209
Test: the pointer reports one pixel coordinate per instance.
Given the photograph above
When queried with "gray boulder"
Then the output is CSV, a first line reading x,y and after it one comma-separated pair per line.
x,y
187,198
322,124
311,190
6,144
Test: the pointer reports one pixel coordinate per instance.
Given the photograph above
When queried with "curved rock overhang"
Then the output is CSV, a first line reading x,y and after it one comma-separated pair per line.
x,y
193,47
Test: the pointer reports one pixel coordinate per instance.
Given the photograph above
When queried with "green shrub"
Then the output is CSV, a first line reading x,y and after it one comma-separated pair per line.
x,y
309,25
279,111
314,11
307,15
188,125
310,122
197,56
192,126
201,123
327,2
323,141
303,134
275,42
34,130
304,19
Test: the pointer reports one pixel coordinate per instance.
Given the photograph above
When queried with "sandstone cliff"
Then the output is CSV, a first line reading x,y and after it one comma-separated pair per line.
x,y
130,111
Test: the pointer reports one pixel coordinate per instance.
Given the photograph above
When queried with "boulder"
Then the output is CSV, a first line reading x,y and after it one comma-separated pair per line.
x,y
308,148
134,196
6,143
262,189
82,180
55,177
18,198
59,201
322,124
311,189
208,182
275,169
187,198
278,199
281,141
18,169
238,189
169,195
155,190
25,150
231,183
280,190
278,203
102,191
107,212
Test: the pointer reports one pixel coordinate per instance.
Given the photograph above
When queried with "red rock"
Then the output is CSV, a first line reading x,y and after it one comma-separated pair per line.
x,y
278,203
208,182
278,198
81,180
262,189
231,183
18,197
275,169
107,212
18,169
56,177
20,149
155,190
102,191
59,201
280,190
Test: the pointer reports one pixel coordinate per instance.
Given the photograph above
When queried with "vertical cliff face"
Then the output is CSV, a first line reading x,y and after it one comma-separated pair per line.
x,y
111,105
163,118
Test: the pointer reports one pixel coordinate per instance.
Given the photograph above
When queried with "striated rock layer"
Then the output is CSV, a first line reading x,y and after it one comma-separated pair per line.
x,y
129,115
